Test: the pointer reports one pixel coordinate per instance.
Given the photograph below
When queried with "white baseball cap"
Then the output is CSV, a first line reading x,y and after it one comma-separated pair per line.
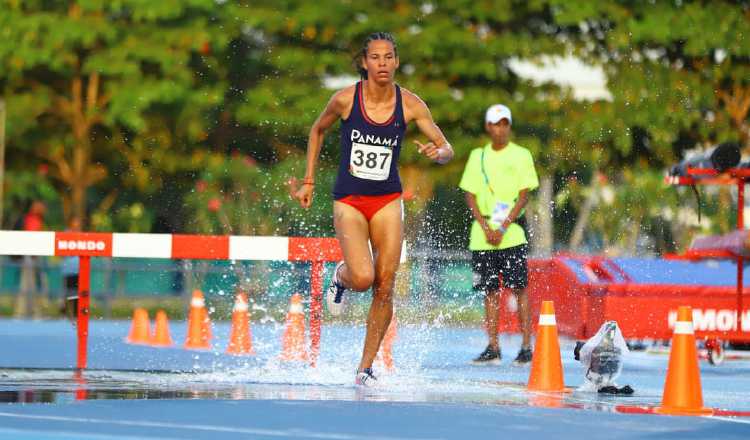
x,y
496,113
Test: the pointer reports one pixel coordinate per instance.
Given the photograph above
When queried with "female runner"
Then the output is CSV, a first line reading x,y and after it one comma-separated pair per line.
x,y
367,207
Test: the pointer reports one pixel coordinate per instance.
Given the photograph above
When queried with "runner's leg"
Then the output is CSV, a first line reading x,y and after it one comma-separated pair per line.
x,y
386,234
352,231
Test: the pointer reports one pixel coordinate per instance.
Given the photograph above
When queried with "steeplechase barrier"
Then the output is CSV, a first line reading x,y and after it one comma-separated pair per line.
x,y
85,245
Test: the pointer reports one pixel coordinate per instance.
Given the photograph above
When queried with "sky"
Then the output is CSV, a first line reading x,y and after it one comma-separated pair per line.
x,y
587,82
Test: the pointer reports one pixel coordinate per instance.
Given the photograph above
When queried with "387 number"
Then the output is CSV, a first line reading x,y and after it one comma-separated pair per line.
x,y
369,160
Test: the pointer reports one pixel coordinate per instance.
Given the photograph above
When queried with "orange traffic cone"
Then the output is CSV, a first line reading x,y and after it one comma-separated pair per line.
x,y
682,389
385,355
546,365
161,336
240,338
293,344
547,400
199,326
140,329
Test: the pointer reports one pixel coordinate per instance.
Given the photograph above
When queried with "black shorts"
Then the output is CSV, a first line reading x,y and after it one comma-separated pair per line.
x,y
509,265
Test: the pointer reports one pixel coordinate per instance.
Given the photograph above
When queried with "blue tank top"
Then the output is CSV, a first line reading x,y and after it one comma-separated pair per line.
x,y
369,151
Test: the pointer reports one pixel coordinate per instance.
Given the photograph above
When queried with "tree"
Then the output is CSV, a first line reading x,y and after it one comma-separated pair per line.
x,y
88,80
678,74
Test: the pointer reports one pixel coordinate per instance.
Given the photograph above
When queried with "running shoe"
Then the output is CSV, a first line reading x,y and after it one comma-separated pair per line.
x,y
523,358
490,356
365,378
335,293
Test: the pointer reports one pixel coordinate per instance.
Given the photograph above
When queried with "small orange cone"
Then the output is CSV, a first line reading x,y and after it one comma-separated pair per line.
x,y
293,344
140,329
240,338
199,326
385,355
682,389
161,336
546,365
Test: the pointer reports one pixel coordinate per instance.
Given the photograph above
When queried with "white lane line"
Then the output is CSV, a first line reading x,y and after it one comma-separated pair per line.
x,y
292,433
730,419
74,434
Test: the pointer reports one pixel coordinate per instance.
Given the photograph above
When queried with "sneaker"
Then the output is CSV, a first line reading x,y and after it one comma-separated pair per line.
x,y
335,293
365,378
489,356
523,358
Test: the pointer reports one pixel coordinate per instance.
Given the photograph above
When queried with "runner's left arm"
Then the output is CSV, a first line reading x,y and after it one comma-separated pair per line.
x,y
438,148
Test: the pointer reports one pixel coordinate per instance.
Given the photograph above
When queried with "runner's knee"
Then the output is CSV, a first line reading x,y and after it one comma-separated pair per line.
x,y
383,286
383,293
361,279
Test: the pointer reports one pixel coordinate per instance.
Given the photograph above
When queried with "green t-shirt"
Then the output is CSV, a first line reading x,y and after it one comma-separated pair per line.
x,y
508,171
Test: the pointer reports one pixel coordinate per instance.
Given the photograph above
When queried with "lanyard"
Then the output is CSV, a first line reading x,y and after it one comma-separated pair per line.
x,y
484,173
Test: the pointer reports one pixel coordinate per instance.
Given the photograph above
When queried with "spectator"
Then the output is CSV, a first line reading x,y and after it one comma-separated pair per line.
x,y
34,219
497,180
69,270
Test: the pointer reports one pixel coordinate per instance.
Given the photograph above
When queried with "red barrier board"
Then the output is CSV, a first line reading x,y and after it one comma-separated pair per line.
x,y
210,247
314,249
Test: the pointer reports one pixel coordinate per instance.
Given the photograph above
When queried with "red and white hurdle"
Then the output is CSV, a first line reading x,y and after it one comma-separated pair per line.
x,y
85,245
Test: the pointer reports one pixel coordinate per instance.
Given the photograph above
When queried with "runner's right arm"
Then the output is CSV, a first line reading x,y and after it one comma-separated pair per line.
x,y
333,111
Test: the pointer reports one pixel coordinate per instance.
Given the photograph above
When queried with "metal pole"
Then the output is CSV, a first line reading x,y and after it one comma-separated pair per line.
x,y
316,307
84,277
2,170
740,203
740,226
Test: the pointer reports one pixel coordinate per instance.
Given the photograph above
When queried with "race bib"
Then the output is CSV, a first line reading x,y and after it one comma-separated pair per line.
x,y
499,214
371,162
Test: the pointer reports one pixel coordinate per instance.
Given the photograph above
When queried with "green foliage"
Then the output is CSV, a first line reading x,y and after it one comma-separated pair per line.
x,y
667,64
133,63
181,95
23,187
236,195
678,75
127,218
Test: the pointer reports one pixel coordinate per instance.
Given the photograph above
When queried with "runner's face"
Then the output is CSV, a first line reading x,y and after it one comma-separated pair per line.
x,y
499,132
380,61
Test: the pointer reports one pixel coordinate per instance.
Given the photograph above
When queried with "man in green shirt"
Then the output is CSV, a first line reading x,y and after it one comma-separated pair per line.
x,y
497,180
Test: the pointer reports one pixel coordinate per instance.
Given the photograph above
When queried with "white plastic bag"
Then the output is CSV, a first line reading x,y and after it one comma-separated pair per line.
x,y
602,356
